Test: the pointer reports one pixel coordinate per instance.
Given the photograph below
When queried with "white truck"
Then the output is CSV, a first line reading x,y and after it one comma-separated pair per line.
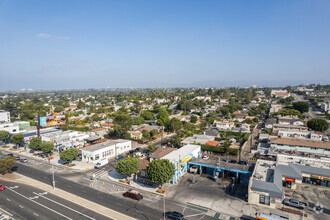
x,y
101,163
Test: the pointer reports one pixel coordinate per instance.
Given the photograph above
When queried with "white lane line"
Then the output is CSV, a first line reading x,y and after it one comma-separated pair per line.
x,y
21,206
100,197
35,214
40,204
119,204
67,207
69,186
8,200
203,213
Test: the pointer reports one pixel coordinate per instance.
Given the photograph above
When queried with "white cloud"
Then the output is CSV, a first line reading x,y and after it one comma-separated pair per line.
x,y
43,35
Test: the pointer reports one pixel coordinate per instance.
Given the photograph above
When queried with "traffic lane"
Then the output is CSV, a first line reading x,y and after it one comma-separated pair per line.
x,y
44,205
123,205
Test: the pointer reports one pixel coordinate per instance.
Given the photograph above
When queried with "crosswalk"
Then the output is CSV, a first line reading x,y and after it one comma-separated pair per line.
x,y
98,173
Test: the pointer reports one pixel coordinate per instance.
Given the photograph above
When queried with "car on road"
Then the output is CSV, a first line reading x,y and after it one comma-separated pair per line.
x,y
2,187
18,157
174,215
232,161
137,149
133,194
23,160
295,203
10,155
206,157
13,169
131,152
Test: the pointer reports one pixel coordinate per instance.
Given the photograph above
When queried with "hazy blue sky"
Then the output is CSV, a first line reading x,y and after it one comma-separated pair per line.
x,y
88,44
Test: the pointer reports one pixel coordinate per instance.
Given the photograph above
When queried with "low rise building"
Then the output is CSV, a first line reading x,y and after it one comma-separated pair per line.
x,y
307,135
224,125
198,139
4,117
270,179
109,149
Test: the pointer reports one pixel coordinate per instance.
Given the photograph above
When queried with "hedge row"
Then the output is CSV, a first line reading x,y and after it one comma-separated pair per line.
x,y
231,151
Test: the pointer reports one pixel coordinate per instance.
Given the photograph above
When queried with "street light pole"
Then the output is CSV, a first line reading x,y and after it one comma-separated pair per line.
x,y
53,176
164,205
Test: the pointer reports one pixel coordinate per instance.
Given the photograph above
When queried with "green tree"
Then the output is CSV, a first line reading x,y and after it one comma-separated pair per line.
x,y
174,125
161,171
318,124
128,166
163,117
146,134
123,120
69,154
301,106
153,133
59,109
4,135
6,164
193,119
148,115
151,147
35,143
138,121
17,139
47,147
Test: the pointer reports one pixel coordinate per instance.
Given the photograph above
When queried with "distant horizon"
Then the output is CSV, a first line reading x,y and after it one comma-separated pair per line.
x,y
80,44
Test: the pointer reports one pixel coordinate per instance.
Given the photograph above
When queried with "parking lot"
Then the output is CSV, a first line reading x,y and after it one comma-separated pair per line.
x,y
312,195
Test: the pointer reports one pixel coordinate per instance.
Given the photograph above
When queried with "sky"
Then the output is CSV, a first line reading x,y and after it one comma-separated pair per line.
x,y
68,44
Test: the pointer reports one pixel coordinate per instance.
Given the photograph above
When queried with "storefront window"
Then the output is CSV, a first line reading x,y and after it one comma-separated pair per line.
x,y
264,200
97,157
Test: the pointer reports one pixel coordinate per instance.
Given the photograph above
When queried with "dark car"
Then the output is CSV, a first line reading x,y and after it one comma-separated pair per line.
x,y
137,149
232,161
133,194
10,155
174,215
131,152
243,162
13,169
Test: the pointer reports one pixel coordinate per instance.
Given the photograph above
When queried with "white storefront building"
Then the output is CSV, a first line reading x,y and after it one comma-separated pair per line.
x,y
109,149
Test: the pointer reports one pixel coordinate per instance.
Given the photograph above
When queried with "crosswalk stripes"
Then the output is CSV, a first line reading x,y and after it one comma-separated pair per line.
x,y
99,173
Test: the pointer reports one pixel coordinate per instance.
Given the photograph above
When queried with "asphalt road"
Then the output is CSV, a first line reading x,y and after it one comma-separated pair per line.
x,y
123,205
26,202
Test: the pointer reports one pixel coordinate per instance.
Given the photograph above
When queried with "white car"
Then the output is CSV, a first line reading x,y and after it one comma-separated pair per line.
x,y
23,160
206,157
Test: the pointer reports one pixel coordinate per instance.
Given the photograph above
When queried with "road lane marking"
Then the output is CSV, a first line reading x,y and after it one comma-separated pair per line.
x,y
69,186
8,200
100,197
13,187
66,207
21,206
35,214
119,204
40,204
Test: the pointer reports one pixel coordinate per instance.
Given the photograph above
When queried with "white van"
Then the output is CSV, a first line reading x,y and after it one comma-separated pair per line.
x,y
101,163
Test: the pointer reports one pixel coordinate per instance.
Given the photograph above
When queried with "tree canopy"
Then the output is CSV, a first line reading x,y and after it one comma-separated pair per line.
x,y
6,164
69,154
301,106
4,135
128,166
35,143
47,147
161,171
17,138
318,124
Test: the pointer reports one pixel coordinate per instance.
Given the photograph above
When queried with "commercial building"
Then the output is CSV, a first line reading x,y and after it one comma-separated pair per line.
x,y
15,127
307,135
198,139
4,117
180,158
269,179
109,149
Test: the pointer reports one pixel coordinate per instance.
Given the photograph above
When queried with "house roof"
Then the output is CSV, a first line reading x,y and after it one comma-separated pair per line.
x,y
234,146
161,152
213,143
137,134
300,142
281,93
144,164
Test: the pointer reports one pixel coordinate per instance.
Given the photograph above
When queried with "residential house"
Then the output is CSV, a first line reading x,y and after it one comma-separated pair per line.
x,y
137,135
224,125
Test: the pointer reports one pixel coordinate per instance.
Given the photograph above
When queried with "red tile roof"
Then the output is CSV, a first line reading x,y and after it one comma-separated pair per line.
x,y
212,143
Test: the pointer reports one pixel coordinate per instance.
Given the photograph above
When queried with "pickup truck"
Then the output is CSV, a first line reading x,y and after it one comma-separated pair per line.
x,y
295,203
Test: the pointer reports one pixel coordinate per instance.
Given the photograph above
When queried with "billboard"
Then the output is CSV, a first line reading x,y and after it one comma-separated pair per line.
x,y
43,121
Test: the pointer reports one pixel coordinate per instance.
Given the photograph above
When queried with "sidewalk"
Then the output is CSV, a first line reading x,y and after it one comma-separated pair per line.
x,y
18,178
78,165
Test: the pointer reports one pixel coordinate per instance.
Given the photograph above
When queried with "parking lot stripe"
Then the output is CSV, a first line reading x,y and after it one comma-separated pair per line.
x,y
196,208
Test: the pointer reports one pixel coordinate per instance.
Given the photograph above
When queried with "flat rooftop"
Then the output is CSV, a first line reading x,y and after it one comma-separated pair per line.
x,y
102,145
213,161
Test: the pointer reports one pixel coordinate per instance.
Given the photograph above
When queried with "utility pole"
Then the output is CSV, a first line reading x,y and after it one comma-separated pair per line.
x,y
38,127
53,176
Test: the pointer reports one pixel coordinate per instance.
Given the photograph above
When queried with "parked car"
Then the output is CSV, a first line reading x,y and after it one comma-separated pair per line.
x,y
232,161
133,194
10,155
137,149
131,152
243,162
23,160
101,163
18,157
119,157
205,157
2,187
174,215
295,203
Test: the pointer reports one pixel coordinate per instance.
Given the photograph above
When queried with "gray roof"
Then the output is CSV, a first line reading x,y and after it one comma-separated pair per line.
x,y
211,132
102,145
274,182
